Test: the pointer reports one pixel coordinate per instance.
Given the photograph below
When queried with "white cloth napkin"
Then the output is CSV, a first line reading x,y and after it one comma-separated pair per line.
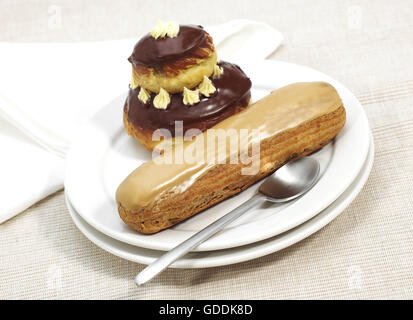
x,y
48,90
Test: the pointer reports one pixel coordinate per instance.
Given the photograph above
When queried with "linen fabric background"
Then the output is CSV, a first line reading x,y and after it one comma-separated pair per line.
x,y
366,253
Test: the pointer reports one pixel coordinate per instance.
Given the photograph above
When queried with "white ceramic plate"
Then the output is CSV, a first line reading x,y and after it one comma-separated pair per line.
x,y
103,155
237,254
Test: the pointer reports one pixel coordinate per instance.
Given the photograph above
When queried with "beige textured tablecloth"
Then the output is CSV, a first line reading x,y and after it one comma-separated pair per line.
x,y
367,252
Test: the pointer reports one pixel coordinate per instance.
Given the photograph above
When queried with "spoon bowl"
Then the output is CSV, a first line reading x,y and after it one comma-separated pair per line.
x,y
291,180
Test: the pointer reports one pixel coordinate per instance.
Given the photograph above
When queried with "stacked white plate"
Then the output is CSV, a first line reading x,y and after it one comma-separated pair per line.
x,y
103,155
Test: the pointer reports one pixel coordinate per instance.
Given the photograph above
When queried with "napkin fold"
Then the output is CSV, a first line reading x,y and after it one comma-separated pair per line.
x,y
48,90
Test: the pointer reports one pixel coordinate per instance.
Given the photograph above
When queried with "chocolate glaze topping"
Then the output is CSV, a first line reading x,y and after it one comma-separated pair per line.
x,y
232,94
152,52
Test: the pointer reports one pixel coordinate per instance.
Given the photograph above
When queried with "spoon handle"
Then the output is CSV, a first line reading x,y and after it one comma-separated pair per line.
x,y
168,258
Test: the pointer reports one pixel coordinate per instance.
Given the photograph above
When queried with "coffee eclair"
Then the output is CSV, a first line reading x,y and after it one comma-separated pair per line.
x,y
290,122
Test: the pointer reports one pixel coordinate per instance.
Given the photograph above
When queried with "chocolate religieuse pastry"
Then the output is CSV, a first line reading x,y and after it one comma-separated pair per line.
x,y
176,77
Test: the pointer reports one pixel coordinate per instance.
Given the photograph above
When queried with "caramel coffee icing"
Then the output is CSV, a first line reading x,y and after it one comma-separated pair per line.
x,y
232,91
281,110
152,52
